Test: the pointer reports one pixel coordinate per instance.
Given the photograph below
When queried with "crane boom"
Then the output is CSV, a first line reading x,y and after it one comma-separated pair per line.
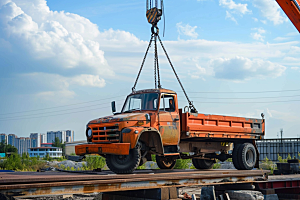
x,y
292,10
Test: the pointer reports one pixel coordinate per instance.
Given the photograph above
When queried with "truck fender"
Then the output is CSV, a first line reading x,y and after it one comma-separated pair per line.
x,y
152,138
149,136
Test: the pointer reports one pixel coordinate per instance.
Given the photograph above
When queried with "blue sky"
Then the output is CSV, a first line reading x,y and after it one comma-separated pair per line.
x,y
63,62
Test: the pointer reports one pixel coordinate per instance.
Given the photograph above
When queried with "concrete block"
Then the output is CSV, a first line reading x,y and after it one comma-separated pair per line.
x,y
245,195
267,191
173,193
271,197
208,193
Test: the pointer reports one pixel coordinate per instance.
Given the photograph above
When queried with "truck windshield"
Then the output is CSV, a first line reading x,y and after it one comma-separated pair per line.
x,y
146,101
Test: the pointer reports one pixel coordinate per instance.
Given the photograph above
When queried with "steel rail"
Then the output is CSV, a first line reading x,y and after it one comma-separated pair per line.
x,y
32,177
105,183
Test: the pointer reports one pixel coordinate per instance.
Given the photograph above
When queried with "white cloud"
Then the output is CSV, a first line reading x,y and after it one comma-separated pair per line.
x,y
89,80
63,48
55,95
51,40
270,10
229,16
187,30
295,68
236,7
240,68
281,38
258,35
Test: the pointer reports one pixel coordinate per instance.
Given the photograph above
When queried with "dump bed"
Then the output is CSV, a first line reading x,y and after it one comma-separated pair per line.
x,y
217,126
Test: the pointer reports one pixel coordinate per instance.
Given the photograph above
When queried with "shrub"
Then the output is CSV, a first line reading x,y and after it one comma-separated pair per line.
x,y
22,163
268,165
182,164
95,162
217,166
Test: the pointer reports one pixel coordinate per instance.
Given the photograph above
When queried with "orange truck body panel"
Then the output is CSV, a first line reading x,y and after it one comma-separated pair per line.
x,y
292,10
217,126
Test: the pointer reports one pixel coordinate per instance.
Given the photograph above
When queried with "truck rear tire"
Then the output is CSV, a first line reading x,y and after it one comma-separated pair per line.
x,y
203,164
165,162
245,157
235,158
124,164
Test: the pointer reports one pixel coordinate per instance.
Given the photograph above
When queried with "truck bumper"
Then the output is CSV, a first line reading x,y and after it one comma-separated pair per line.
x,y
113,148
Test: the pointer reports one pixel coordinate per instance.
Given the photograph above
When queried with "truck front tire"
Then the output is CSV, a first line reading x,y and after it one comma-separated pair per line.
x,y
165,162
121,164
203,164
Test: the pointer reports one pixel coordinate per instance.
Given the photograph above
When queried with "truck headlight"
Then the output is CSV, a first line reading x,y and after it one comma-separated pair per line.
x,y
89,133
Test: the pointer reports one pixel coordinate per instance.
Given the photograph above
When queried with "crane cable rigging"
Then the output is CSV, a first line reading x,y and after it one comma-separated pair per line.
x,y
154,14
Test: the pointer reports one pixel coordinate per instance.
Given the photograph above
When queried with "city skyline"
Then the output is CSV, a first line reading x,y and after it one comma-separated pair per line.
x,y
36,140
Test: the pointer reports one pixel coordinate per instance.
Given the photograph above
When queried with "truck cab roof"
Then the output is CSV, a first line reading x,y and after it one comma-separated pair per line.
x,y
161,90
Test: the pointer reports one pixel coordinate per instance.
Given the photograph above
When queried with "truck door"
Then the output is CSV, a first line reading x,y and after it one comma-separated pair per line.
x,y
168,117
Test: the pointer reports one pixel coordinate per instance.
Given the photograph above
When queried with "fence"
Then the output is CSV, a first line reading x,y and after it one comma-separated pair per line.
x,y
271,148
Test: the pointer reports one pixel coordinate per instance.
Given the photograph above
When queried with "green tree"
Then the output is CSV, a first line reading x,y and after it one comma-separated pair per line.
x,y
57,143
4,148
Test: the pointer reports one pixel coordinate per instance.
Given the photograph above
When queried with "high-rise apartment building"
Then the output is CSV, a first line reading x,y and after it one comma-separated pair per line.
x,y
43,138
63,136
69,136
11,138
24,144
35,140
3,138
17,143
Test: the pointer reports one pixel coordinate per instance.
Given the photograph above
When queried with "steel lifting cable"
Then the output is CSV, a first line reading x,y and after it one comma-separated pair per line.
x,y
137,78
155,81
192,107
157,63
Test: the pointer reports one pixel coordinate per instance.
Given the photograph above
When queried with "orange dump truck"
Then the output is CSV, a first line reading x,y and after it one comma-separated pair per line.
x,y
151,123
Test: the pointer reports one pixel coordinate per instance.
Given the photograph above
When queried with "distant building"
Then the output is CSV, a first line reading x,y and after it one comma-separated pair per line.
x,y
17,143
53,152
69,136
70,146
43,138
24,145
63,136
35,140
46,145
3,138
11,138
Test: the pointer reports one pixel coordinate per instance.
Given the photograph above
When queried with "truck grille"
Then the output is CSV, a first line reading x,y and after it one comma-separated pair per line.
x,y
106,134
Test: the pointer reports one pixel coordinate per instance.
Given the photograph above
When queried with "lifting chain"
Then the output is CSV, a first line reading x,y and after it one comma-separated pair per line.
x,y
156,60
155,81
191,105
154,37
138,76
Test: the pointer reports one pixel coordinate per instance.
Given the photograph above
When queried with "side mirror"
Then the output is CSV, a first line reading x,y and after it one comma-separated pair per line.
x,y
113,106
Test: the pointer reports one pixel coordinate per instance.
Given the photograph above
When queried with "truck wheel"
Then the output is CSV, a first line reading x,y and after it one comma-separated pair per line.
x,y
202,163
235,158
121,164
247,156
165,162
